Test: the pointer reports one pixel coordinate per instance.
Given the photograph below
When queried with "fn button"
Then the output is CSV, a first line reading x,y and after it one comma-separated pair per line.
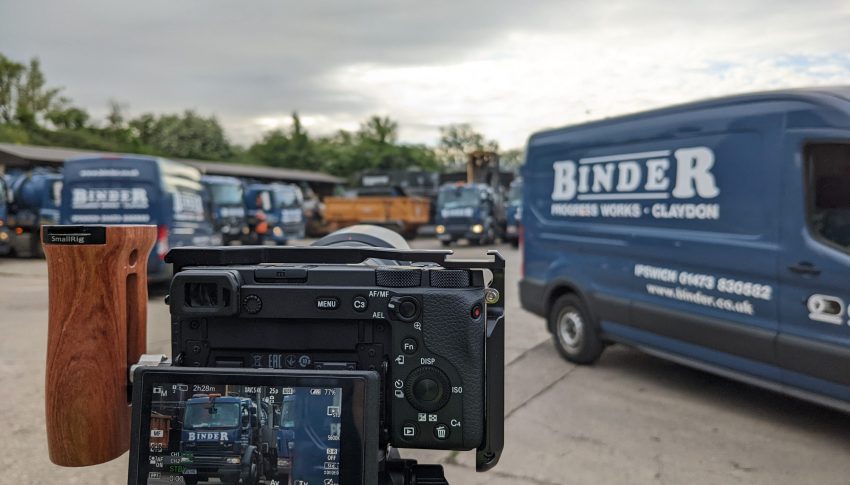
x,y
409,346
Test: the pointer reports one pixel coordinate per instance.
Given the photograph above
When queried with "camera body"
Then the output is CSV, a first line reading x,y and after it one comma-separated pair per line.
x,y
429,326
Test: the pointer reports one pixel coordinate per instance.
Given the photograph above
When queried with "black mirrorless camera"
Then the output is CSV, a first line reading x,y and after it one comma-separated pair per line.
x,y
310,365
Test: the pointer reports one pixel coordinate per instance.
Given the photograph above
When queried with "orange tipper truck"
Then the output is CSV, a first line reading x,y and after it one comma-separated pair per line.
x,y
386,206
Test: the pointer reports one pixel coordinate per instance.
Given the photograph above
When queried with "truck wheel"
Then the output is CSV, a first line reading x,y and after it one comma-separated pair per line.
x,y
574,331
253,472
36,249
445,243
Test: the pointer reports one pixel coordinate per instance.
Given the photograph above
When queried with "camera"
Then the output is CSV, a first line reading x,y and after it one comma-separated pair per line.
x,y
296,365
428,326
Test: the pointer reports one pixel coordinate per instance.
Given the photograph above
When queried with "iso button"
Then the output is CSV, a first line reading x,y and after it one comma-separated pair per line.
x,y
359,304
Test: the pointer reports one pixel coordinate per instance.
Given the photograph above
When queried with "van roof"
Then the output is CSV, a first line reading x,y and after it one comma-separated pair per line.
x,y
828,96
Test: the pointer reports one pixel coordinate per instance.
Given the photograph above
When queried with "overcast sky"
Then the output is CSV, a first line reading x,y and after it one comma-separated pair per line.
x,y
507,67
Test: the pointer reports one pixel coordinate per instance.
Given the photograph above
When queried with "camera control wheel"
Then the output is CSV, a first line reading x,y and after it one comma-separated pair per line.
x,y
427,388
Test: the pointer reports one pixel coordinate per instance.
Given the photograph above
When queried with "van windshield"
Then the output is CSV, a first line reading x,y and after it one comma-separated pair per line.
x,y
206,415
457,197
226,194
828,174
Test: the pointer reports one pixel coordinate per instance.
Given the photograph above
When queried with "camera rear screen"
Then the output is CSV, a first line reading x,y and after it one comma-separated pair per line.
x,y
224,433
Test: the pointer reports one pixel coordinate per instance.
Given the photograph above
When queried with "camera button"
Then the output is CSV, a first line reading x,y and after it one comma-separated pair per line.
x,y
360,303
441,432
409,431
409,346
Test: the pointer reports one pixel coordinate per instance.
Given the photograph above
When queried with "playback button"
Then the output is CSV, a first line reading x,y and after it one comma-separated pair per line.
x,y
409,431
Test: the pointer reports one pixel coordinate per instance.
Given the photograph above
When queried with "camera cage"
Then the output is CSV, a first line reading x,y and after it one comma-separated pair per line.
x,y
489,452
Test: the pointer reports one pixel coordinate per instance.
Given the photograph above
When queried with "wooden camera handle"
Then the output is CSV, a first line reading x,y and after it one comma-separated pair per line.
x,y
97,329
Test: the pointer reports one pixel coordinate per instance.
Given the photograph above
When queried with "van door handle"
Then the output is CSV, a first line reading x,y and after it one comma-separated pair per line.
x,y
804,268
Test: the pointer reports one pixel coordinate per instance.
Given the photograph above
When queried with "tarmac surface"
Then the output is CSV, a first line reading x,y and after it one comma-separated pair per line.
x,y
631,418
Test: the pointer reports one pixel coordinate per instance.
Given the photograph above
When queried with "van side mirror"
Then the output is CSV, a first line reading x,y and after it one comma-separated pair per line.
x,y
246,420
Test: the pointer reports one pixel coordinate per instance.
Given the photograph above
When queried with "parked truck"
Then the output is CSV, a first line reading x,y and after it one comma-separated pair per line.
x,y
473,210
34,199
229,438
389,207
275,213
227,207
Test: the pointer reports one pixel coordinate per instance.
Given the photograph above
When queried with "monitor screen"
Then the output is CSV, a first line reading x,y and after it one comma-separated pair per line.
x,y
235,433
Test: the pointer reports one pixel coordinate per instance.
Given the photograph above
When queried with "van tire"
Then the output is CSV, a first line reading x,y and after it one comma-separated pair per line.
x,y
574,330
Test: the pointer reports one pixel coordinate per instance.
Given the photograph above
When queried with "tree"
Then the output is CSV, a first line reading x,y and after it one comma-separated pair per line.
x,y
379,129
10,75
182,136
33,99
289,149
457,141
513,158
64,116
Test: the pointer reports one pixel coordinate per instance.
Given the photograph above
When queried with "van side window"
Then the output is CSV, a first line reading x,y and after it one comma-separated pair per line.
x,y
828,186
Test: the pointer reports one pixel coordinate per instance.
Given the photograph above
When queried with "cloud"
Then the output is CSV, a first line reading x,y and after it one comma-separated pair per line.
x,y
507,67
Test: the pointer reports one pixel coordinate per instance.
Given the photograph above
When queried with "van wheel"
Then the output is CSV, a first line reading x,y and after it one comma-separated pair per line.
x,y
574,331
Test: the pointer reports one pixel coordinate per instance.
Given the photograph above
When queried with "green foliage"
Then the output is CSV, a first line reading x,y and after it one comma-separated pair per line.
x,y
457,141
181,136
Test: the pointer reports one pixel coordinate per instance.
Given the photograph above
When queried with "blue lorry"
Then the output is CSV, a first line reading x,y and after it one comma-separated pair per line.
x,y
513,212
230,438
275,213
466,211
5,238
715,234
33,200
227,205
135,189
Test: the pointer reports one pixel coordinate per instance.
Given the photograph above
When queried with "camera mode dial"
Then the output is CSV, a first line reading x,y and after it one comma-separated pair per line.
x,y
427,388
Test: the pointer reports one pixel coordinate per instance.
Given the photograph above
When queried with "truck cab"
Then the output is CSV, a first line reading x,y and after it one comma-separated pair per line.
x,y
290,203
34,200
467,211
229,438
227,206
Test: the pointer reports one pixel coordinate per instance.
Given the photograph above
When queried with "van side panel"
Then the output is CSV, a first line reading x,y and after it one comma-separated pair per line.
x,y
667,227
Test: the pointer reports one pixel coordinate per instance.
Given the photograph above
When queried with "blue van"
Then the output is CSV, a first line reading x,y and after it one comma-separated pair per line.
x,y
715,234
227,206
135,189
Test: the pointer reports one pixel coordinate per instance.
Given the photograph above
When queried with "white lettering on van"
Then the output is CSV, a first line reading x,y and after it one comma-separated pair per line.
x,y
565,183
684,173
693,171
594,178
